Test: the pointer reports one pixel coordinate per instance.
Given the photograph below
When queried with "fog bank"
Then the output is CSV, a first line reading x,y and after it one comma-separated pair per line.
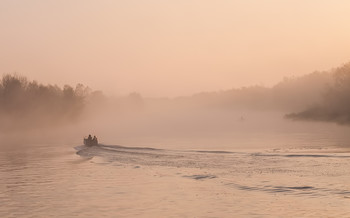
x,y
35,111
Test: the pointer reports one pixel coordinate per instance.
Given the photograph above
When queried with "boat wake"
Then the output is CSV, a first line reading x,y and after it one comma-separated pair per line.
x,y
267,171
153,156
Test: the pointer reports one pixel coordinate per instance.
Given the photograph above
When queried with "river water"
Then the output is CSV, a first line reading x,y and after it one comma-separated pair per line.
x,y
278,174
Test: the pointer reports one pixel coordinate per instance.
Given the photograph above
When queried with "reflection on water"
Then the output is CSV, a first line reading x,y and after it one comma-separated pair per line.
x,y
118,181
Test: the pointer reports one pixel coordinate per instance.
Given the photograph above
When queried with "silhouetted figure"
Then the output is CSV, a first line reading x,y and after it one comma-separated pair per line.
x,y
89,141
94,141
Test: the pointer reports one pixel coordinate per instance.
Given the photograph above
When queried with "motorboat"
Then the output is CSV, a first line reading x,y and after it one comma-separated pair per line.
x,y
89,141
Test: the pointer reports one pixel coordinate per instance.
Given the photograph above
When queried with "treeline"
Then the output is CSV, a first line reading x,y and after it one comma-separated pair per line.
x,y
29,104
291,94
335,105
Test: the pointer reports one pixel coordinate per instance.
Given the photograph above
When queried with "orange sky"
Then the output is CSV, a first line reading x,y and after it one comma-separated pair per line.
x,y
170,48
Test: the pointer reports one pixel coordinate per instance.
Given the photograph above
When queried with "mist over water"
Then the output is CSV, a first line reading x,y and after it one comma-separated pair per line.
x,y
242,117
213,154
201,108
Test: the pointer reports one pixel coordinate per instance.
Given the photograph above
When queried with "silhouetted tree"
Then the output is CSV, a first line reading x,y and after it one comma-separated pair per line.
x,y
335,106
28,103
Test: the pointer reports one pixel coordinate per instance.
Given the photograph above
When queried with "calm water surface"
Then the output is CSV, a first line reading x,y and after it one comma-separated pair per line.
x,y
286,175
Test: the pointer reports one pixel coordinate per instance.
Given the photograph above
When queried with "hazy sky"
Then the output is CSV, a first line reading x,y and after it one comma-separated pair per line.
x,y
169,48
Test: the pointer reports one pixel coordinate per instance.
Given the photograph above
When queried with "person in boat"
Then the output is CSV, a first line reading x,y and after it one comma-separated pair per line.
x,y
94,140
88,141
